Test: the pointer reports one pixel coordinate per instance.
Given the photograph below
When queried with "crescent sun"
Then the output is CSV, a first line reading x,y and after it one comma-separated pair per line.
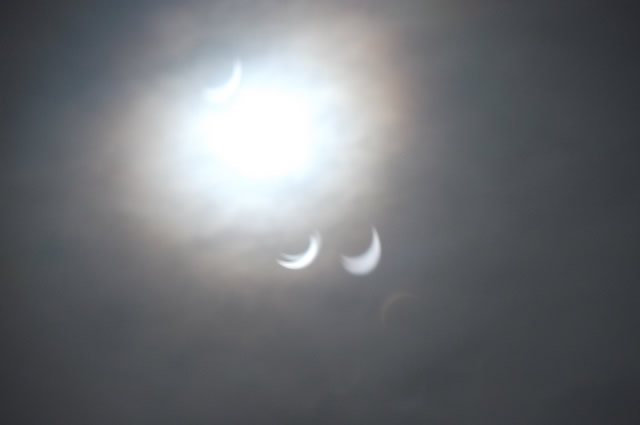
x,y
228,89
366,262
304,259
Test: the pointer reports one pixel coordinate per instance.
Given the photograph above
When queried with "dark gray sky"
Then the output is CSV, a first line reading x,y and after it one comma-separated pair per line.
x,y
506,201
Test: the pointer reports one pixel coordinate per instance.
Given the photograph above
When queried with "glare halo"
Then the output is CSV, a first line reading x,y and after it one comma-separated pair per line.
x,y
265,133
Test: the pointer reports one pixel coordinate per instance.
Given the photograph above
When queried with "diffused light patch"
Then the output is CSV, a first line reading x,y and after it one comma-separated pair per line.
x,y
225,157
264,133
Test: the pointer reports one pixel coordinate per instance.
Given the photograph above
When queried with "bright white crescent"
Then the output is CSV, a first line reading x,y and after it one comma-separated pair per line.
x,y
304,259
366,262
228,89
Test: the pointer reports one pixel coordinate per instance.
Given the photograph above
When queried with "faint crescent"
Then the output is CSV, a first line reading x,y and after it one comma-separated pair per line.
x,y
366,262
228,89
304,259
389,302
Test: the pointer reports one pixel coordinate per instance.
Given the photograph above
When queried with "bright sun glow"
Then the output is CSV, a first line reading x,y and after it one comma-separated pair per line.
x,y
263,132
262,140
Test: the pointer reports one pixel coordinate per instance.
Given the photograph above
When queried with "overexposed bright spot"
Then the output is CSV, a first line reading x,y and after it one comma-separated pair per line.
x,y
264,133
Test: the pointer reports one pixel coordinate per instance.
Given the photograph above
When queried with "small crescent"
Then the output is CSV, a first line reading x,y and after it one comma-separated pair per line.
x,y
366,262
304,259
389,302
228,89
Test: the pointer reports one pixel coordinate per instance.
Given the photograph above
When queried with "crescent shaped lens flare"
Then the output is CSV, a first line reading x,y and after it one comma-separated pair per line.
x,y
366,262
304,259
390,302
228,89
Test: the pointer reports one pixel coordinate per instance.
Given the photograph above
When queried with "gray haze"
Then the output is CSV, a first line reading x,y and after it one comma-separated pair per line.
x,y
505,196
